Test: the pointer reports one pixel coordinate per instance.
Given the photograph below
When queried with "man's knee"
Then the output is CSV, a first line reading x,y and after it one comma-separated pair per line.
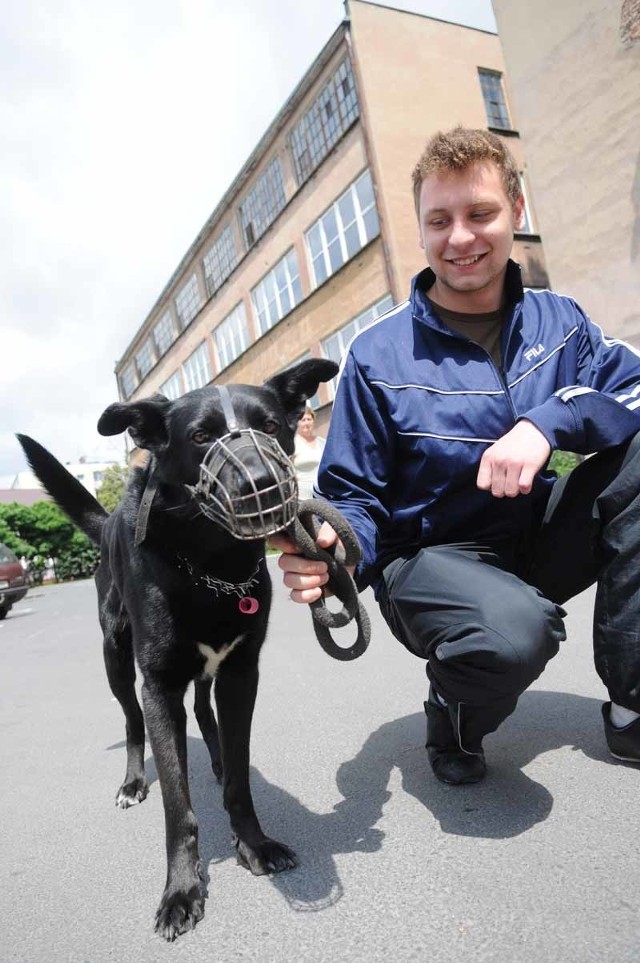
x,y
501,651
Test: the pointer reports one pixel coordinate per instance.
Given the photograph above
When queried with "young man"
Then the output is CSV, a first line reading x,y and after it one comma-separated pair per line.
x,y
447,411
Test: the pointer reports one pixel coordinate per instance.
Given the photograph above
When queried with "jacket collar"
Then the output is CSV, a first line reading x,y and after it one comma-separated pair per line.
x,y
421,305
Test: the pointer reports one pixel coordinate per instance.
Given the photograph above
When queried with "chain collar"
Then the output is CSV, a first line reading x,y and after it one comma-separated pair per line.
x,y
218,585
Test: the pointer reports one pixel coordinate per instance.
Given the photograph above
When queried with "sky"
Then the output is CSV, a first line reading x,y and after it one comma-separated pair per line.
x,y
121,126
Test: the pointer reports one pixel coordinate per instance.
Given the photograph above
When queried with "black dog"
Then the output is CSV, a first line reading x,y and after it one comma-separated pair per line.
x,y
189,601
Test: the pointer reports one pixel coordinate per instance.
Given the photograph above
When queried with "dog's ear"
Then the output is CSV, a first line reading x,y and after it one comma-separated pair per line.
x,y
295,385
145,419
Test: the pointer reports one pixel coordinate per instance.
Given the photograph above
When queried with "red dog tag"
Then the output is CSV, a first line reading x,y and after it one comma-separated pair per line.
x,y
248,605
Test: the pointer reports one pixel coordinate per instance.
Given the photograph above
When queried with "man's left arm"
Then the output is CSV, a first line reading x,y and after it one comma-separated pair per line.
x,y
601,410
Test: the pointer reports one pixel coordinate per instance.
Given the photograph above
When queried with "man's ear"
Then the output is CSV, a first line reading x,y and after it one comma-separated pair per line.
x,y
295,385
518,213
145,419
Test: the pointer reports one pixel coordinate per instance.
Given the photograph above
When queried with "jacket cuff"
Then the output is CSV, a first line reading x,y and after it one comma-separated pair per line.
x,y
557,422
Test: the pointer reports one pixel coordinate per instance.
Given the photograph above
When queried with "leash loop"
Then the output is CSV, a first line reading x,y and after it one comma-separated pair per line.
x,y
303,530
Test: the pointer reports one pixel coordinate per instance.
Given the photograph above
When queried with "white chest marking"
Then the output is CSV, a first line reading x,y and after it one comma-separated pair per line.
x,y
213,658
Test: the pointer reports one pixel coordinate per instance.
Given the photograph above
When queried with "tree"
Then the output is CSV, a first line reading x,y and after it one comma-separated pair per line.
x,y
112,488
41,531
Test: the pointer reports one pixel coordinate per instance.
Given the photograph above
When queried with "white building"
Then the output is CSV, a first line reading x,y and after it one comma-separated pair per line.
x,y
89,473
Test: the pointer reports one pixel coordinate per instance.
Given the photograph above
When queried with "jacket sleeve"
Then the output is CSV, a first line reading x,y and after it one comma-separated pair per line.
x,y
356,462
602,408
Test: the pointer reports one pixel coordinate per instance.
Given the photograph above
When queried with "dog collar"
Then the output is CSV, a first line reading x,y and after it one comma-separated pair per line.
x,y
248,605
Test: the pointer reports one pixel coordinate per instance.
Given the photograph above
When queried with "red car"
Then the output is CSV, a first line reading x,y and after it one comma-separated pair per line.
x,y
13,580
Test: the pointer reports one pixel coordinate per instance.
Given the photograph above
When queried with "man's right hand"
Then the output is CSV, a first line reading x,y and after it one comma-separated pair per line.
x,y
302,576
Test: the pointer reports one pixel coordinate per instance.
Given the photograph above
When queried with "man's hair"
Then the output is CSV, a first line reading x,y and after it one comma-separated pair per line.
x,y
457,149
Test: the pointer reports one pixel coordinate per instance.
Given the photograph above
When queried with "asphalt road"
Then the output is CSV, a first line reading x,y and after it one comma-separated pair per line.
x,y
538,863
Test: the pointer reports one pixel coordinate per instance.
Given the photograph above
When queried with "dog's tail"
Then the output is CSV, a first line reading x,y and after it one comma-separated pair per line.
x,y
66,491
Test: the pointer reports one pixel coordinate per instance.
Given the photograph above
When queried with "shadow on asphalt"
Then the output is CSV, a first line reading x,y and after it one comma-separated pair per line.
x,y
509,802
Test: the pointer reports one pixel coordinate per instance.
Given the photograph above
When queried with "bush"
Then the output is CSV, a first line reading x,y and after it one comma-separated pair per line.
x,y
43,531
562,462
112,488
79,563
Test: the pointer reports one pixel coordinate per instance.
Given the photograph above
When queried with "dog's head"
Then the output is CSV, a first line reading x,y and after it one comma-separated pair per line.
x,y
232,460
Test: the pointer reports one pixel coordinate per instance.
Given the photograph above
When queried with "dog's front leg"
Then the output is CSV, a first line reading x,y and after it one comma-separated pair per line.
x,y
182,903
235,693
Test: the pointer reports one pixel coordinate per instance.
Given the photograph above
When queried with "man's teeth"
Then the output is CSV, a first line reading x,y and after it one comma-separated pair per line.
x,y
463,261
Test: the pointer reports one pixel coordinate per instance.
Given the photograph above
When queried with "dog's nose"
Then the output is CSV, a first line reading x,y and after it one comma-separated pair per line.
x,y
252,482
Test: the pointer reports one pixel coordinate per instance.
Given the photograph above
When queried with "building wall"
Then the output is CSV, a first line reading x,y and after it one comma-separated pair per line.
x,y
417,76
314,317
414,75
574,71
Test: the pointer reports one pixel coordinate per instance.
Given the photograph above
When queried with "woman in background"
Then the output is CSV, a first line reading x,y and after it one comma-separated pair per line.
x,y
308,452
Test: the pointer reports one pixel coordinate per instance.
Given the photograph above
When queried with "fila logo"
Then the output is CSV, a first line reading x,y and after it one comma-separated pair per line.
x,y
534,352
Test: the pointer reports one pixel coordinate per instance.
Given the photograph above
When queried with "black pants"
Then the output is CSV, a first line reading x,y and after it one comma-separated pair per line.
x,y
487,624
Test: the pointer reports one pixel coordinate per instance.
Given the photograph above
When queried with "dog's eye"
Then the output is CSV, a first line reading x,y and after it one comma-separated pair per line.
x,y
271,427
201,437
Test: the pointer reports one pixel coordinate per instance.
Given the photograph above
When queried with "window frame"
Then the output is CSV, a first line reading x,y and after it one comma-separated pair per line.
x,y
318,131
145,357
190,298
220,260
493,82
229,348
172,395
199,364
262,203
260,294
128,374
163,324
334,211
345,334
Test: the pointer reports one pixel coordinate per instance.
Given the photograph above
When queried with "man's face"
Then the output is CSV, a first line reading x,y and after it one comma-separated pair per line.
x,y
466,231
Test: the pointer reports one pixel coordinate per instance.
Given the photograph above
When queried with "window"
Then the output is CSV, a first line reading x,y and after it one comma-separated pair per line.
x,y
494,99
220,260
277,293
197,368
145,359
172,388
231,337
188,301
330,115
128,381
345,228
163,333
262,204
336,344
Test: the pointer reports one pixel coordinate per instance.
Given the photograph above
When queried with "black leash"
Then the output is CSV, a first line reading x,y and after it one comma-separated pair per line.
x,y
303,530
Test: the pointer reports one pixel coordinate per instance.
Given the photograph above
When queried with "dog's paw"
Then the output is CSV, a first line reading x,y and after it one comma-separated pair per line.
x,y
266,857
179,911
130,793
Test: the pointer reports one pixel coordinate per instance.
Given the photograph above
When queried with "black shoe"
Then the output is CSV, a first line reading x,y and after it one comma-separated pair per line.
x,y
623,743
449,762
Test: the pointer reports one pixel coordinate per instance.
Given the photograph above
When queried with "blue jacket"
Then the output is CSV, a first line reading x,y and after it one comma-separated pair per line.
x,y
417,405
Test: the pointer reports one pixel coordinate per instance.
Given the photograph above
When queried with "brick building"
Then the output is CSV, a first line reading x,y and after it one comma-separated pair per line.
x,y
316,236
